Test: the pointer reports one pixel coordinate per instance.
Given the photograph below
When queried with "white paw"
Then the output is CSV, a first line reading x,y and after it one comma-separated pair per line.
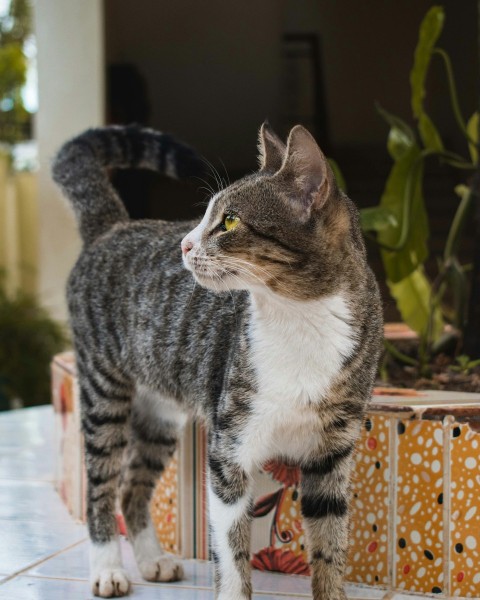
x,y
162,568
110,583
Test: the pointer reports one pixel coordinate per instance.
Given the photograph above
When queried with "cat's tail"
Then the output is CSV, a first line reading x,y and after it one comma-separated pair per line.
x,y
80,169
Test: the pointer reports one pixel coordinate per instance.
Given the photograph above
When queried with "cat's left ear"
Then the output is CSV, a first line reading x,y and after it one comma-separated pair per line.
x,y
271,149
307,169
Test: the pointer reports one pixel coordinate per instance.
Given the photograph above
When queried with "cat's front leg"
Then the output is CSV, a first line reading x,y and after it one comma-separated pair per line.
x,y
325,504
230,510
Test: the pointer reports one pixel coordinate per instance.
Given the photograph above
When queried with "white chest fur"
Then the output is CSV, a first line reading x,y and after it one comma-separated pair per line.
x,y
298,349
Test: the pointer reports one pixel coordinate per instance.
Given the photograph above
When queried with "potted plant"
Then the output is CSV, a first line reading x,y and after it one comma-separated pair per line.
x,y
448,331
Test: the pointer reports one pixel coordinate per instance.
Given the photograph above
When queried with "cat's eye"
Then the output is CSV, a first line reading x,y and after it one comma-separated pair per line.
x,y
230,222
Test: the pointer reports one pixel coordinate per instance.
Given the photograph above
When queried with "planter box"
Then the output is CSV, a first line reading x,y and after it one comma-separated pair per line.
x,y
415,493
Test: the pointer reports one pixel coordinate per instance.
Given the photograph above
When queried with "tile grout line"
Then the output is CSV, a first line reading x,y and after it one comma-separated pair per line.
x,y
40,561
392,485
165,585
447,528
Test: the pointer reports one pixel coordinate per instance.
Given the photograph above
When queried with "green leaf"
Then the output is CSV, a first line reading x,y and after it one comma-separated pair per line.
x,y
400,137
472,130
428,132
376,218
342,184
13,69
430,30
403,197
413,298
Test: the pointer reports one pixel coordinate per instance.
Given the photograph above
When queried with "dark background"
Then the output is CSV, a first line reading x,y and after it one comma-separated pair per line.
x,y
210,72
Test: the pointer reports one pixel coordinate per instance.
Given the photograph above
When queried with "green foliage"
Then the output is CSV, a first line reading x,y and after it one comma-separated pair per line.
x,y
404,248
377,218
403,238
464,364
29,339
15,28
13,68
472,131
430,30
340,179
413,297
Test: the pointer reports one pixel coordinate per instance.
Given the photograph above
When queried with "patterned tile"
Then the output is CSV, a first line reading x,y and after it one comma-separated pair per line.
x,y
164,508
368,557
465,512
419,510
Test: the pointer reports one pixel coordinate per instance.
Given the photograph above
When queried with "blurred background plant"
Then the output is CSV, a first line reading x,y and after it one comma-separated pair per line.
x,y
400,223
29,339
15,38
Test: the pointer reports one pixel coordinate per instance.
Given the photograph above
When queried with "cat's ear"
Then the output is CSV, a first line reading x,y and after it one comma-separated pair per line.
x,y
307,169
271,149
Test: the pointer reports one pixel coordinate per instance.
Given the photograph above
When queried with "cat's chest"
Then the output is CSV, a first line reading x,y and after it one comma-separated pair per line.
x,y
297,355
295,362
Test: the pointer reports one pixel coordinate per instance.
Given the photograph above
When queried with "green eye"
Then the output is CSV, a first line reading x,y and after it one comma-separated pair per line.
x,y
230,222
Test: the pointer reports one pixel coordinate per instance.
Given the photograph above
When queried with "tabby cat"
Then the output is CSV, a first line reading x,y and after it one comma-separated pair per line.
x,y
276,349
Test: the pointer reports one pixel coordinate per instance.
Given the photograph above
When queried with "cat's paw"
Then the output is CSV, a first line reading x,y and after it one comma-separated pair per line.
x,y
110,583
162,568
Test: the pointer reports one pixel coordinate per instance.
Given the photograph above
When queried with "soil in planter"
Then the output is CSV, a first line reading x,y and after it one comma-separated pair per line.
x,y
440,374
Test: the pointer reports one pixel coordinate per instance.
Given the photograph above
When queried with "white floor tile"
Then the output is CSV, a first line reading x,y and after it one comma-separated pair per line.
x,y
33,588
26,542
31,501
266,581
74,563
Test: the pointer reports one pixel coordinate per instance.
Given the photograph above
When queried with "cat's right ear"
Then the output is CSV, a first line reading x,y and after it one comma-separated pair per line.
x,y
271,149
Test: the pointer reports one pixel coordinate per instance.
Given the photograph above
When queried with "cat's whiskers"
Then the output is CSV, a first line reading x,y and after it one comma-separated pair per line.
x,y
207,187
226,172
230,274
241,269
216,175
248,269
191,293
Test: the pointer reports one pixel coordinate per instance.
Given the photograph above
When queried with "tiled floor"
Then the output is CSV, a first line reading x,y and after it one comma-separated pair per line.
x,y
43,552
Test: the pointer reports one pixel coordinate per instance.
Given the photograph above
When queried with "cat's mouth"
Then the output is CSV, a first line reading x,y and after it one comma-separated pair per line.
x,y
214,276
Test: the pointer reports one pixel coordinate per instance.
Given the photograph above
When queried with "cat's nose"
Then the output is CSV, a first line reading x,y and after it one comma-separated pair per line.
x,y
187,245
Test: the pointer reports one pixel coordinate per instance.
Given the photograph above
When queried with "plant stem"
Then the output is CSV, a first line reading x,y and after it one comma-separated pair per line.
x,y
453,93
458,225
399,355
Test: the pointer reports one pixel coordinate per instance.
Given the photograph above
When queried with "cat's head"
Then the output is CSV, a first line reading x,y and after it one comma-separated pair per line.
x,y
287,228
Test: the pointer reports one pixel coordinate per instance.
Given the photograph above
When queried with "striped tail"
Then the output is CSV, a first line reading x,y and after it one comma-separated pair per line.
x,y
80,169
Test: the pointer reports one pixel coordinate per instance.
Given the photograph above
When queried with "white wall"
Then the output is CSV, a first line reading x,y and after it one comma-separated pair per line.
x,y
71,95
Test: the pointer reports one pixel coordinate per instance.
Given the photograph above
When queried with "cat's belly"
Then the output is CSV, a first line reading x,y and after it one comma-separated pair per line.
x,y
279,429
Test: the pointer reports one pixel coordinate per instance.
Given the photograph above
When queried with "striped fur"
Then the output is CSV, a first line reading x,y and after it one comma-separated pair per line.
x,y
276,349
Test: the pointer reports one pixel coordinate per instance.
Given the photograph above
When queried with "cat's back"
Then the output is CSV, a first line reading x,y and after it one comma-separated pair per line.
x,y
128,252
125,272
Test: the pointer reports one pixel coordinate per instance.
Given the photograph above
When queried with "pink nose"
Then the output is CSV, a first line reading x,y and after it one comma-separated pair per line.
x,y
186,246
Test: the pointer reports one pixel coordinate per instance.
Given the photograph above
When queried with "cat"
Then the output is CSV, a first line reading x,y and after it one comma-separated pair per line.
x,y
262,318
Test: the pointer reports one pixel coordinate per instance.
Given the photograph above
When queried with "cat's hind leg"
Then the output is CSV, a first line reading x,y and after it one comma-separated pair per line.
x,y
152,443
106,399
